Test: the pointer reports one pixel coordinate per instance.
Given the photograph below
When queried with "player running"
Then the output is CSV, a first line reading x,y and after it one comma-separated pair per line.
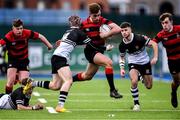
x,y
138,59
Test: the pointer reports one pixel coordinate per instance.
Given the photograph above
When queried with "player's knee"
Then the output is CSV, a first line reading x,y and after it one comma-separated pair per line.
x,y
134,84
88,77
53,86
109,63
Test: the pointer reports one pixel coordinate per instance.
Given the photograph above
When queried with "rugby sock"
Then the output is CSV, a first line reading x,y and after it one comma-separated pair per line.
x,y
110,77
43,84
77,77
174,87
62,98
8,89
135,95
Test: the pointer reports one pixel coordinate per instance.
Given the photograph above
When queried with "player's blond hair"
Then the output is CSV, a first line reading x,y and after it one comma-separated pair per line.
x,y
74,20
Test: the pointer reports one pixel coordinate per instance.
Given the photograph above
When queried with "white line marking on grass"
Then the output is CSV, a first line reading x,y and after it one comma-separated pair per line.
x,y
125,110
51,110
90,94
113,101
42,100
36,94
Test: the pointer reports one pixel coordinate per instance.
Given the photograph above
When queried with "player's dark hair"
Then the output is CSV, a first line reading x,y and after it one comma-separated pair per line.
x,y
125,25
94,8
75,21
17,23
164,16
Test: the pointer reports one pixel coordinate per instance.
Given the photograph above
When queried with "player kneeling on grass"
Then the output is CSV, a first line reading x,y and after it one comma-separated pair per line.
x,y
138,59
19,98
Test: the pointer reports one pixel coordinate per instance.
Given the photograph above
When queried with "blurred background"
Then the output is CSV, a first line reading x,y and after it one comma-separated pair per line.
x,y
49,17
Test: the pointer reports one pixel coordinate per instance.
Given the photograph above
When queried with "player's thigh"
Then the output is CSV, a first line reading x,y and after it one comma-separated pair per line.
x,y
102,60
11,73
23,75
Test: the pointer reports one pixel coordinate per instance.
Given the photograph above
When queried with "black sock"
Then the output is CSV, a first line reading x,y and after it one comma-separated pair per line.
x,y
43,84
110,78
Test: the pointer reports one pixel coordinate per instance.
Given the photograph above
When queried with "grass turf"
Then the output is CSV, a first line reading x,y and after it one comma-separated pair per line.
x,y
90,101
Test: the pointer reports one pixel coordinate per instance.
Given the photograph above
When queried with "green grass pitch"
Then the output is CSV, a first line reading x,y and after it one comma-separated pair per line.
x,y
90,101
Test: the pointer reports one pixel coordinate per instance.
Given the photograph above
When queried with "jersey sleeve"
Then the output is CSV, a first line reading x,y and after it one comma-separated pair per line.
x,y
145,39
158,38
34,35
85,38
31,34
106,21
122,50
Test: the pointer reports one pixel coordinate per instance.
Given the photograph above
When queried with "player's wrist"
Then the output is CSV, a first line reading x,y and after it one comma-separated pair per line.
x,y
121,64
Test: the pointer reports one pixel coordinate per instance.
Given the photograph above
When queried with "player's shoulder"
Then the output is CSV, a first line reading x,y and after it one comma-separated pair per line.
x,y
176,27
9,35
26,31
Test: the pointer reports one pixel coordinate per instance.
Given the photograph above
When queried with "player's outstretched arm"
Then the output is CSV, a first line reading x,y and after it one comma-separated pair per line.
x,y
35,107
45,41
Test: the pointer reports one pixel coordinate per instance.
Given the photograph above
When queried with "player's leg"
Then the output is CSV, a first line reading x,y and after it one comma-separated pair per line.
x,y
106,62
11,75
148,81
146,72
55,84
66,76
22,74
23,69
88,74
133,73
174,86
175,73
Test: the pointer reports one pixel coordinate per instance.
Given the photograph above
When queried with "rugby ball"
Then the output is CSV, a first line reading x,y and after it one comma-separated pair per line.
x,y
104,28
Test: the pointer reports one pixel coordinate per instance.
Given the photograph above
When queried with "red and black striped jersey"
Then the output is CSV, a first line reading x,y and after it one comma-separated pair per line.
x,y
17,46
171,41
92,30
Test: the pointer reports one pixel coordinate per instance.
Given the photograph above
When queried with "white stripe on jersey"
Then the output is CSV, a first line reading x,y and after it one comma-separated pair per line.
x,y
64,50
140,58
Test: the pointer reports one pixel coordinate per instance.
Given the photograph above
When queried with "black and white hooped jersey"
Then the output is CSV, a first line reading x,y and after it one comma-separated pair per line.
x,y
17,97
70,39
135,48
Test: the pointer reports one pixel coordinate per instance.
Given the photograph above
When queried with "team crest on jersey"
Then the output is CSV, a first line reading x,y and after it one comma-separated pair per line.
x,y
13,43
137,47
87,29
165,38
